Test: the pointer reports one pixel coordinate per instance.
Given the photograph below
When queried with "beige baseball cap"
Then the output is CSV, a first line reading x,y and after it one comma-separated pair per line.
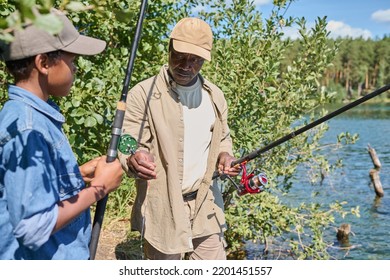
x,y
193,35
32,41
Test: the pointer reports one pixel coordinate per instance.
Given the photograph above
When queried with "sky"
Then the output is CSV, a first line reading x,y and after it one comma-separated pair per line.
x,y
346,18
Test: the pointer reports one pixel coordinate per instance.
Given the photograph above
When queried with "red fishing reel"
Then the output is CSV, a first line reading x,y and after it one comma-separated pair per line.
x,y
251,183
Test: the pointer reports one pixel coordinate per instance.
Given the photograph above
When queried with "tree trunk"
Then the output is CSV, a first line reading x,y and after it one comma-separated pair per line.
x,y
374,173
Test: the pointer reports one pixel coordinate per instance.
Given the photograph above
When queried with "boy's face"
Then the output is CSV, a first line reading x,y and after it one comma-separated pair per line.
x,y
61,75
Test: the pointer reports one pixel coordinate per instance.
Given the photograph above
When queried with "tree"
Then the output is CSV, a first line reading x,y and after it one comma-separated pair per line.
x,y
266,99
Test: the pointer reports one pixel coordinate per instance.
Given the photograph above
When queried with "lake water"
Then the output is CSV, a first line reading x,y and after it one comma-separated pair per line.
x,y
352,183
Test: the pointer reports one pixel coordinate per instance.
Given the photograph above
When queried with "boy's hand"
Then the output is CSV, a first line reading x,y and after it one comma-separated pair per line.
x,y
108,175
88,169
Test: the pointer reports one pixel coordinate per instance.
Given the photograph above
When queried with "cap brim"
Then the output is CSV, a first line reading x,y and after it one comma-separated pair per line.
x,y
85,45
185,47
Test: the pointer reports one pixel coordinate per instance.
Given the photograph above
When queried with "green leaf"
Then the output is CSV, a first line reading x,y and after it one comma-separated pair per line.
x,y
79,121
75,6
99,118
76,103
78,112
50,23
90,121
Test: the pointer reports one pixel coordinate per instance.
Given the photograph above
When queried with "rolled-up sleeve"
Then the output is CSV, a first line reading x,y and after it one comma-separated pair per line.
x,y
33,232
136,123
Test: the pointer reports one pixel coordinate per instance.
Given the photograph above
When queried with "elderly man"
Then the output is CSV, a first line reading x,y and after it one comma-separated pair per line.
x,y
179,120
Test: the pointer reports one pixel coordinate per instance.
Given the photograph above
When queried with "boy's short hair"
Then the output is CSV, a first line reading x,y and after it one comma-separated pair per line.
x,y
20,69
32,41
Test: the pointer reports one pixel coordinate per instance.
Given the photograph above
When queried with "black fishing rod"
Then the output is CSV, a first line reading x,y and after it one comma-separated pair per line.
x,y
253,184
117,130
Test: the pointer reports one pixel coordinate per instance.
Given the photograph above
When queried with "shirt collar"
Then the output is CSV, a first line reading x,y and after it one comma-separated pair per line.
x,y
49,108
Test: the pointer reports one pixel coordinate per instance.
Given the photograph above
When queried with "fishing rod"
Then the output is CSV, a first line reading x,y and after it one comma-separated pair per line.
x,y
251,183
117,130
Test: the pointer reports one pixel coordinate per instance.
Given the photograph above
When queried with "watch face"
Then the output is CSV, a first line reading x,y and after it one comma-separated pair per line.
x,y
127,144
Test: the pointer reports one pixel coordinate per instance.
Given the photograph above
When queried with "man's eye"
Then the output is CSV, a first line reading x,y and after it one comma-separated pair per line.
x,y
198,60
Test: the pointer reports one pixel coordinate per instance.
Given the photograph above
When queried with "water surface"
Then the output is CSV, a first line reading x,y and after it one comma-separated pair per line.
x,y
351,183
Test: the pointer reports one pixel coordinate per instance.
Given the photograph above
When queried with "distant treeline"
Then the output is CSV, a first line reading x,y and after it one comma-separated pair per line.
x,y
359,67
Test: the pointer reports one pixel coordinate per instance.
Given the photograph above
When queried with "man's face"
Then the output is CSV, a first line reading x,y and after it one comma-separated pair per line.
x,y
184,67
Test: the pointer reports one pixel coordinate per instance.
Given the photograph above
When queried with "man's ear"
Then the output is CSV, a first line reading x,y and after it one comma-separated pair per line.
x,y
42,63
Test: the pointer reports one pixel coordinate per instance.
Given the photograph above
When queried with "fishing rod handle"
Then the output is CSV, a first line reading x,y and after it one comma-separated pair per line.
x,y
116,131
111,156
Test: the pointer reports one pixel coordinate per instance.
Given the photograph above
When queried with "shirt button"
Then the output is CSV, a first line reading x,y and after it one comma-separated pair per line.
x,y
180,160
181,139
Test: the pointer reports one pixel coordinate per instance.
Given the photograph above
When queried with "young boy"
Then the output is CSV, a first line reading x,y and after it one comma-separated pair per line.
x,y
44,195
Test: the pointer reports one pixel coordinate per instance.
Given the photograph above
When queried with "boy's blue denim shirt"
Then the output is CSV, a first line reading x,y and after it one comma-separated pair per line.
x,y
37,170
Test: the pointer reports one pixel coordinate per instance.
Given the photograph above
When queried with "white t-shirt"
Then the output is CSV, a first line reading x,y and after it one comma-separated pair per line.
x,y
199,116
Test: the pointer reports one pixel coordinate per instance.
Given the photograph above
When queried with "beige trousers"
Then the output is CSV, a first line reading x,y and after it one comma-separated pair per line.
x,y
210,247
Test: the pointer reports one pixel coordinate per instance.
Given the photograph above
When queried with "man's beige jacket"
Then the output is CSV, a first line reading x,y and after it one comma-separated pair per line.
x,y
154,117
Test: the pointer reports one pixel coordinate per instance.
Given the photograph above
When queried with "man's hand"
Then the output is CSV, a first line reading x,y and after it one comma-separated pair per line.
x,y
142,165
224,165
